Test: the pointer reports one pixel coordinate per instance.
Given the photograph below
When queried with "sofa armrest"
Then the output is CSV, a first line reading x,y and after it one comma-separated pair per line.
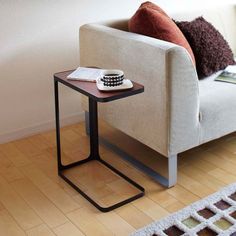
x,y
184,103
165,116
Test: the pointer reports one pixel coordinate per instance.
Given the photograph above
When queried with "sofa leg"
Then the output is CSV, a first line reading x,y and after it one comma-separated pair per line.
x,y
172,170
172,161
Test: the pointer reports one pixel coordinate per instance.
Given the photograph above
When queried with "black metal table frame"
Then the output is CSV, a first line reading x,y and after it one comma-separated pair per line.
x,y
94,154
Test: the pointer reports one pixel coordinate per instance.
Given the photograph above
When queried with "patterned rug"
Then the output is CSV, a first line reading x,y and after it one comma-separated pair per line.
x,y
213,215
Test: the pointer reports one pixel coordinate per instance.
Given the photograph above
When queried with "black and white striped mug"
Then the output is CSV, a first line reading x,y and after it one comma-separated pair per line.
x,y
112,78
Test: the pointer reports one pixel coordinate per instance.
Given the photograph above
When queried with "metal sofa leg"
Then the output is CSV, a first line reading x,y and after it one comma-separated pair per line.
x,y
172,161
172,170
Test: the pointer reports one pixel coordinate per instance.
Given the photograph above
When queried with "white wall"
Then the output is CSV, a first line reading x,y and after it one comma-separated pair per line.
x,y
38,38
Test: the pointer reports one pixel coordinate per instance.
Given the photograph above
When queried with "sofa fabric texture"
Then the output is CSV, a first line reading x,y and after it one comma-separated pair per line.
x,y
212,52
177,111
217,108
151,20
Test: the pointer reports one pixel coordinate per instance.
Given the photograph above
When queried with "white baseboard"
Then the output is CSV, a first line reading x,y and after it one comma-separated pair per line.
x,y
39,128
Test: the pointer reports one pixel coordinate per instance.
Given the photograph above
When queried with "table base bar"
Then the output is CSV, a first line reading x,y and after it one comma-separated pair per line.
x,y
86,196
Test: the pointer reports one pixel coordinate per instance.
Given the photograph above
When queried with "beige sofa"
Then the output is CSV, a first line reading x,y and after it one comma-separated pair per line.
x,y
177,111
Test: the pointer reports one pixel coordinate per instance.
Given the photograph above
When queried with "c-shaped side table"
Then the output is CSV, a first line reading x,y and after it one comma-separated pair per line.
x,y
94,95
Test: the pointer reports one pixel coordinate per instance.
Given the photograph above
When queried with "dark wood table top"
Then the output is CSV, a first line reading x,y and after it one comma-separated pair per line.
x,y
90,89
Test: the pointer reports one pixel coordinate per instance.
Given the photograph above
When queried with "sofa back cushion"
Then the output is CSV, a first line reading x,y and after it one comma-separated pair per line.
x,y
211,50
222,17
151,20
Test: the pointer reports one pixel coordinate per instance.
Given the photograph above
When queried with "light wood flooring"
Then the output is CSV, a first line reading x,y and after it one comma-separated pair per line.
x,y
35,201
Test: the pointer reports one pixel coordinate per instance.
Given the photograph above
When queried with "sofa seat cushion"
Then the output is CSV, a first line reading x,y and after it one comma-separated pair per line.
x,y
217,108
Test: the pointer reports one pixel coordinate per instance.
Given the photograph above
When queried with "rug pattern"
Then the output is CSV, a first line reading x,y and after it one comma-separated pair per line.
x,y
213,215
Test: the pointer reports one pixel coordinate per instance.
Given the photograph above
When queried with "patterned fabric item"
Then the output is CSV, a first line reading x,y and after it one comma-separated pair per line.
x,y
213,215
212,52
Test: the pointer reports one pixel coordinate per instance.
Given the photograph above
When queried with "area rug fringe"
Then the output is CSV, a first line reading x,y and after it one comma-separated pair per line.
x,y
176,219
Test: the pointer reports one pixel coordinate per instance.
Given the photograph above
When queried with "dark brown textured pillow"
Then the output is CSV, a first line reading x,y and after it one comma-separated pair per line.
x,y
212,52
152,21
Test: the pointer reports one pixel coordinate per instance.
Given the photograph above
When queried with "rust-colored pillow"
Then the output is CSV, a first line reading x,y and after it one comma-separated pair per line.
x,y
212,52
151,20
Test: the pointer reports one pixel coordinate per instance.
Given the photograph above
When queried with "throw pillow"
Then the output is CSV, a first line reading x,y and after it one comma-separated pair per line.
x,y
211,50
151,20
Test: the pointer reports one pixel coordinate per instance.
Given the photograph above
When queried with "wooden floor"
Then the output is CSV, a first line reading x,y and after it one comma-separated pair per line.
x,y
35,201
